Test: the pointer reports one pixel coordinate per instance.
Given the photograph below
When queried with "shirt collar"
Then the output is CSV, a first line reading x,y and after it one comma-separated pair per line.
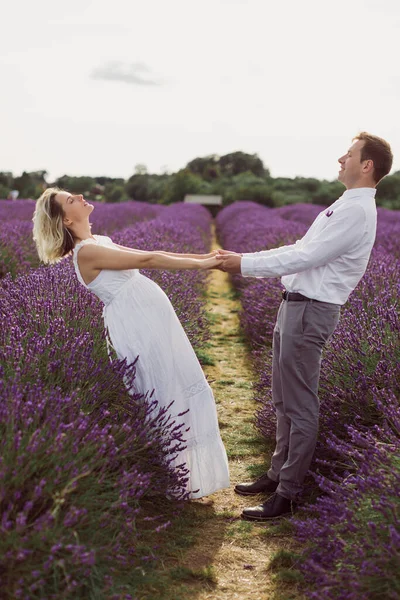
x,y
357,192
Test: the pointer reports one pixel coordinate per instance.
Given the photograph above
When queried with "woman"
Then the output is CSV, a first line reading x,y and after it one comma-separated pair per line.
x,y
141,321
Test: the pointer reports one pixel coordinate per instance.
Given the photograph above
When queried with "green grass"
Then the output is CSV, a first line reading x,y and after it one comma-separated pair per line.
x,y
229,295
284,566
212,317
206,574
240,530
282,528
205,358
167,579
244,385
255,471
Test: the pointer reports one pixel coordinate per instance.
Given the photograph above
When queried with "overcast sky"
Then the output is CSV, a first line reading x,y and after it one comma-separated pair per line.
x,y
96,87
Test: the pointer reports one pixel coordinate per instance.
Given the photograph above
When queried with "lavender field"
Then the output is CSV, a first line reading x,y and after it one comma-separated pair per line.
x,y
84,464
351,531
82,461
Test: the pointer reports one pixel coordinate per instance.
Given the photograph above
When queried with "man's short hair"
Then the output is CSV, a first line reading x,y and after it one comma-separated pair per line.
x,y
378,150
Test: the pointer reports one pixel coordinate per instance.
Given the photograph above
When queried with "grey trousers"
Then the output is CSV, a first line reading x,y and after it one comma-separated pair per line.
x,y
301,331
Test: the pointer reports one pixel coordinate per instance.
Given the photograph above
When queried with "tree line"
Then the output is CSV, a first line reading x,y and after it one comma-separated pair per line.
x,y
235,176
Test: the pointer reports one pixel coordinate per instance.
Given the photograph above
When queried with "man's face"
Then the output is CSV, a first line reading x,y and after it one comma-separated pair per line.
x,y
351,167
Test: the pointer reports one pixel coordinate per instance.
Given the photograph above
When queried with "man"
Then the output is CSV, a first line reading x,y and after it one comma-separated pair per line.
x,y
318,272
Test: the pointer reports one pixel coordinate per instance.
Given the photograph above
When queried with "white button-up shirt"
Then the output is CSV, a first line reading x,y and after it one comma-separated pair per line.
x,y
328,262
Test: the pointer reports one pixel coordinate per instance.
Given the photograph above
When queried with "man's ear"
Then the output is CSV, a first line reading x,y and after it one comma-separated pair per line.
x,y
368,166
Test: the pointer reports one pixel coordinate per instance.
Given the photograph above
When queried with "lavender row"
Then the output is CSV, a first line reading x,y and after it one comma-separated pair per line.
x,y
352,533
353,536
82,460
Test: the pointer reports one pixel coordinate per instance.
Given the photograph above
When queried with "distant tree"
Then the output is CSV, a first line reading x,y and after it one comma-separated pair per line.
x,y
247,186
307,184
328,192
140,169
4,192
30,184
76,185
278,198
6,183
144,187
240,162
38,176
180,184
212,167
103,180
283,184
157,186
137,188
207,167
114,193
6,178
388,191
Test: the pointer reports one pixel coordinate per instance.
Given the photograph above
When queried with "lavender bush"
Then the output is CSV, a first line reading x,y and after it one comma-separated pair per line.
x,y
353,535
72,487
82,460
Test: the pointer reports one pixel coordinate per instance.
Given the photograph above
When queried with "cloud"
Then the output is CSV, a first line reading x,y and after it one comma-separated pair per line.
x,y
131,73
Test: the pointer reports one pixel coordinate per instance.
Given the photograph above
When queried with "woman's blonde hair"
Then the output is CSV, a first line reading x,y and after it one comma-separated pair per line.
x,y
52,238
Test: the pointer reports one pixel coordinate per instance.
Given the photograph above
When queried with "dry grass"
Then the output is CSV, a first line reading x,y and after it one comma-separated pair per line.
x,y
209,552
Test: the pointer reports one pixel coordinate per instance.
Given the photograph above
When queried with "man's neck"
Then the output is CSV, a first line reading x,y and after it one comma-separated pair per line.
x,y
360,184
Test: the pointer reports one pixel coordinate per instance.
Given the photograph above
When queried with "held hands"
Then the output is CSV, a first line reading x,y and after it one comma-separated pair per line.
x,y
231,261
212,262
224,260
209,255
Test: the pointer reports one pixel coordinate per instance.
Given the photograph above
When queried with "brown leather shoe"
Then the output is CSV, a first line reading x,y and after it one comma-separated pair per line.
x,y
263,485
275,507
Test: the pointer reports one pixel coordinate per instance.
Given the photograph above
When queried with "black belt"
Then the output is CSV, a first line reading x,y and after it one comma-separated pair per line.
x,y
295,297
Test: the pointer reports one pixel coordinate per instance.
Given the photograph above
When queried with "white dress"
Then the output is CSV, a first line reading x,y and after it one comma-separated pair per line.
x,y
142,322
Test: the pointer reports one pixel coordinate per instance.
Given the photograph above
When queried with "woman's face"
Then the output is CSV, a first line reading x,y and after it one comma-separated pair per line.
x,y
75,207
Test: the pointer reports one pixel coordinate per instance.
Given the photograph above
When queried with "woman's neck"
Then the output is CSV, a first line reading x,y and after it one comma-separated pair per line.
x,y
82,234
89,237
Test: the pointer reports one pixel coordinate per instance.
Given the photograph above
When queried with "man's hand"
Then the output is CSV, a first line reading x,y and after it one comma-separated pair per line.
x,y
231,263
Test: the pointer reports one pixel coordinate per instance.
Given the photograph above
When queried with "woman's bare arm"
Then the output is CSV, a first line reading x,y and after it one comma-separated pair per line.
x,y
94,258
135,250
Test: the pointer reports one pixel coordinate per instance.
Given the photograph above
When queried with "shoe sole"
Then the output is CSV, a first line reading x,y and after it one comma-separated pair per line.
x,y
240,493
260,519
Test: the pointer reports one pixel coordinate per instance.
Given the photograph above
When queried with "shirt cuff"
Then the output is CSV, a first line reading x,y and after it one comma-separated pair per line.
x,y
246,265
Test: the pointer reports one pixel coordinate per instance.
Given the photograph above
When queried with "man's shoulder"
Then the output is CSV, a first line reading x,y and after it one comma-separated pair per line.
x,y
354,206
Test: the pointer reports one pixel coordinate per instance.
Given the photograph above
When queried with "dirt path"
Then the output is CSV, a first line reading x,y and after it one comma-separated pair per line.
x,y
241,560
213,554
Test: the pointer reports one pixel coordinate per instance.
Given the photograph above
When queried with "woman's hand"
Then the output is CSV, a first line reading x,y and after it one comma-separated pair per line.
x,y
226,252
209,255
213,262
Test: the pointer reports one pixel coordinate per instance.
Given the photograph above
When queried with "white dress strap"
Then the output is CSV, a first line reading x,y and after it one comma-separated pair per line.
x,y
75,257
